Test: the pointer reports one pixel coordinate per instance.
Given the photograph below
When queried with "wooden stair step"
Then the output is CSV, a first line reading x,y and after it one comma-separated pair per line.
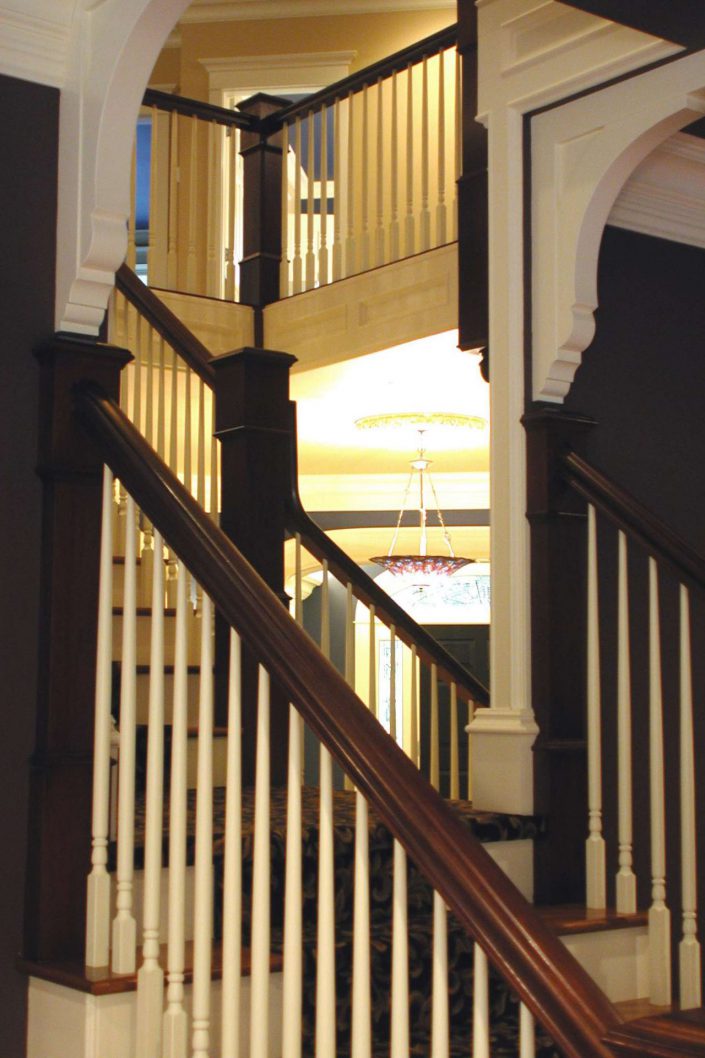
x,y
570,919
667,1034
102,981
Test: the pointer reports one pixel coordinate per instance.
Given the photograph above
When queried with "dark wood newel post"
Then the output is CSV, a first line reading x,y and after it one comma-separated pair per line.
x,y
262,180
253,425
61,768
473,208
558,652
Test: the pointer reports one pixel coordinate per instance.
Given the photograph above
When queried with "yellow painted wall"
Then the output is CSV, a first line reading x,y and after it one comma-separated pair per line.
x,y
372,37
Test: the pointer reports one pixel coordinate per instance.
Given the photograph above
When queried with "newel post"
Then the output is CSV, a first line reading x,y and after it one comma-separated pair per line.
x,y
253,425
263,161
558,653
71,470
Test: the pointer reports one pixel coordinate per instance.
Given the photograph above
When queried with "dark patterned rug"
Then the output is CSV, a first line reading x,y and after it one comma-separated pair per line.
x,y
487,826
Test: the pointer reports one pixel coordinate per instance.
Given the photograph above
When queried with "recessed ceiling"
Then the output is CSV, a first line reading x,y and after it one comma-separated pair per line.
x,y
427,376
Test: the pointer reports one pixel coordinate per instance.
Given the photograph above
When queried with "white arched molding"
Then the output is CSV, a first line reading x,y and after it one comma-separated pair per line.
x,y
113,47
582,155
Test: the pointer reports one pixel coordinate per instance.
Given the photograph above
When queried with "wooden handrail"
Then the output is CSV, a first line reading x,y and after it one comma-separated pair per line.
x,y
624,511
194,108
366,78
342,566
169,326
536,965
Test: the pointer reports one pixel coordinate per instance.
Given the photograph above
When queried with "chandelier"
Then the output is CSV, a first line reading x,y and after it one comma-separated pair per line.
x,y
422,564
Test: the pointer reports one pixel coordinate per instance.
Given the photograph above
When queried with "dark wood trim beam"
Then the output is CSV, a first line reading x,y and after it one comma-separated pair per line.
x,y
681,21
388,519
165,323
527,954
195,108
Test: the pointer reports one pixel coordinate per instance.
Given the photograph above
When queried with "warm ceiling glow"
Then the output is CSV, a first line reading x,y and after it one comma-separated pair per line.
x,y
427,376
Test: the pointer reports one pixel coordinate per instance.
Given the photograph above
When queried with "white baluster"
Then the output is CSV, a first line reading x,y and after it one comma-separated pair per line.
x,y
394,233
349,635
361,1014
298,264
325,926
161,403
150,979
172,240
158,200
188,475
259,979
379,230
689,948
454,744
192,284
372,686
293,896
141,338
214,497
231,264
425,216
124,925
201,450
325,610
310,202
98,886
435,776
441,223
471,714
323,277
480,1005
131,257
350,245
232,868
595,847
203,858
284,277
337,192
626,879
440,1027
399,1027
365,190
527,1033
298,582
659,914
393,682
410,226
214,269
175,1025
414,719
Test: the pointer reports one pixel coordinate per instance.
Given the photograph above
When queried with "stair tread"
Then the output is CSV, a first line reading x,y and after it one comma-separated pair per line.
x,y
569,919
663,1031
102,981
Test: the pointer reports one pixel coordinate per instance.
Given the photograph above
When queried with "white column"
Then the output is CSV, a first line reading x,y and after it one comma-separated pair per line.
x,y
595,845
659,914
626,879
504,734
689,949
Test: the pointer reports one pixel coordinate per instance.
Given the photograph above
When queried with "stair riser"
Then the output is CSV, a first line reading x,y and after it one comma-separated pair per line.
x,y
64,1023
144,624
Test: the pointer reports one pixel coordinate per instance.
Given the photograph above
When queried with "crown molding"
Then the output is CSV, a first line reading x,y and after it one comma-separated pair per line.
x,y
32,48
665,197
261,10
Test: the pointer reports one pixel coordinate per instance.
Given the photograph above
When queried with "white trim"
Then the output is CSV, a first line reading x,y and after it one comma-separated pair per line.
x,y
305,72
34,49
665,196
256,10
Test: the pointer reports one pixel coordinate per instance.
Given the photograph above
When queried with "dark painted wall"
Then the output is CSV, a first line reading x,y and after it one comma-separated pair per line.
x,y
643,380
643,377
29,122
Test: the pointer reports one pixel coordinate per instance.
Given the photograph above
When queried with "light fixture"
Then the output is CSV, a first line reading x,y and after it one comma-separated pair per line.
x,y
422,564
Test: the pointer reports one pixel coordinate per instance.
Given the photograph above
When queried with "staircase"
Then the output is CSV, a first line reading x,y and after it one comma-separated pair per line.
x,y
378,923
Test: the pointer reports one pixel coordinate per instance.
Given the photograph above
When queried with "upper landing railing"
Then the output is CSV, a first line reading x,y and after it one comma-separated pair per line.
x,y
275,198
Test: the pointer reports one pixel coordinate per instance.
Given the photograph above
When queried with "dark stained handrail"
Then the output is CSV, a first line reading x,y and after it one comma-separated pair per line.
x,y
624,511
533,961
355,82
406,628
169,326
194,108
